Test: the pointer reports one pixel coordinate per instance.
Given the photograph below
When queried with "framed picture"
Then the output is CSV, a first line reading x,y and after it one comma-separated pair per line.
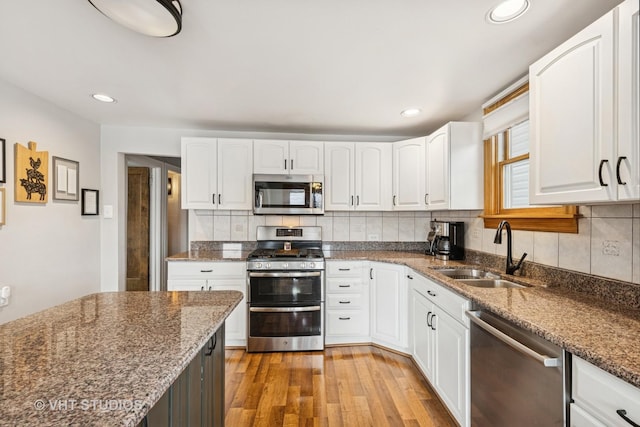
x,y
66,176
3,161
89,202
3,207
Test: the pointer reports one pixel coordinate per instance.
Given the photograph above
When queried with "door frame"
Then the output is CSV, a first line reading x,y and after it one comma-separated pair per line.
x,y
157,217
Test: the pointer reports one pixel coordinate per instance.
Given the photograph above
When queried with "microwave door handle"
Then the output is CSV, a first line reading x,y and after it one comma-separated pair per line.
x,y
259,199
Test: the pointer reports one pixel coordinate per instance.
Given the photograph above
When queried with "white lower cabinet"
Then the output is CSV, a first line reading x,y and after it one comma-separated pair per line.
x,y
440,342
599,398
215,276
389,305
347,302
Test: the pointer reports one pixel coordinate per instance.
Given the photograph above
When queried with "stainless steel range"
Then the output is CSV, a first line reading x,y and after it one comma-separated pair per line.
x,y
285,295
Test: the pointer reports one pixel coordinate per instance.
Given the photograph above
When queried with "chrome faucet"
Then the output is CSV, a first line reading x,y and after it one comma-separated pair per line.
x,y
511,268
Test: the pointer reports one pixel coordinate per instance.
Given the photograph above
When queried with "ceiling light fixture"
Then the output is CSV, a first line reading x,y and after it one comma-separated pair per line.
x,y
507,11
103,97
156,18
410,112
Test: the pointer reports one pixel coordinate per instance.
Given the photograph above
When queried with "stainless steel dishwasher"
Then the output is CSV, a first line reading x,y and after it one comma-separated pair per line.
x,y
517,377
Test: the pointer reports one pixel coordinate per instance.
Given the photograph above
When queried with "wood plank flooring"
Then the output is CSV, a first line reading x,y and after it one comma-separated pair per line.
x,y
341,386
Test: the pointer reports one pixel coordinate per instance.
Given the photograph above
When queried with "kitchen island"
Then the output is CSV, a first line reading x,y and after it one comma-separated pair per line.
x,y
104,359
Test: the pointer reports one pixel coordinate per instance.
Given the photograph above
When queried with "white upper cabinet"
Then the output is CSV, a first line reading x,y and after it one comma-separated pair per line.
x,y
409,175
584,116
306,158
269,156
234,174
199,177
288,157
373,176
216,173
628,161
339,176
357,176
454,172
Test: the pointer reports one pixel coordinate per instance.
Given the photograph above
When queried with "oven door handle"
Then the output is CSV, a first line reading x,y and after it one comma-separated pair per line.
x,y
286,274
283,309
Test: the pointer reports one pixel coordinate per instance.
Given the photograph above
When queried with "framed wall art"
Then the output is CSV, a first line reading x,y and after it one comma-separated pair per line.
x,y
32,174
89,201
66,177
3,161
3,207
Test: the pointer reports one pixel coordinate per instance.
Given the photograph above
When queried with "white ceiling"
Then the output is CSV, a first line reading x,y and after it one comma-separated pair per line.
x,y
304,66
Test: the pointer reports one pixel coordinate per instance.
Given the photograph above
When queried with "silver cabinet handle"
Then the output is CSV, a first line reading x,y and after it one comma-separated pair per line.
x,y
426,201
344,302
344,318
219,199
351,200
284,309
202,288
410,277
213,198
394,200
357,200
285,164
344,269
344,286
546,361
371,273
433,294
291,164
206,271
620,181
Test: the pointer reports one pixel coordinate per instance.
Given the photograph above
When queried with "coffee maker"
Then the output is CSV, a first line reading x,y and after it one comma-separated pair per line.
x,y
446,240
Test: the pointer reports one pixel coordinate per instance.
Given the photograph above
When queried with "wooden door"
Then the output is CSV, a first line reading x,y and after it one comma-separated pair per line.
x,y
138,229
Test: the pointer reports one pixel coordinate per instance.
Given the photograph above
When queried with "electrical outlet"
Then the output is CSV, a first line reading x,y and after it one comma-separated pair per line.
x,y
373,237
475,234
611,247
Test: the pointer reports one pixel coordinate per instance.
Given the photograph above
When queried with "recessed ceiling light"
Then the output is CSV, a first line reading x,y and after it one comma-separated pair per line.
x,y
410,112
507,11
102,97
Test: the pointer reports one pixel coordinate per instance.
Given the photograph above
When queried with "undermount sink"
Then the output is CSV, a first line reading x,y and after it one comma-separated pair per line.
x,y
478,278
467,273
491,283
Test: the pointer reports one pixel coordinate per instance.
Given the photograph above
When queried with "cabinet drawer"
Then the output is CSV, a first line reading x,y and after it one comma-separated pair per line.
x,y
581,418
604,394
346,323
186,285
346,285
206,269
345,301
447,300
345,268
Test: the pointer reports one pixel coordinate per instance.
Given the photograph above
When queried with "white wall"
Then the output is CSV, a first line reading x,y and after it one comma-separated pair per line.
x,y
49,253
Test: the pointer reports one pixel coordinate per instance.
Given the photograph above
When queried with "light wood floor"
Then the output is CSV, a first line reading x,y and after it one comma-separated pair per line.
x,y
342,386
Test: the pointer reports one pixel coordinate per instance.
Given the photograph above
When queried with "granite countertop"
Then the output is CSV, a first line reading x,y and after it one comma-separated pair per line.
x,y
602,333
104,359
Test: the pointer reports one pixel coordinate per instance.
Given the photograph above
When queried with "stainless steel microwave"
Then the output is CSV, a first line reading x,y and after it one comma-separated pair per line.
x,y
288,194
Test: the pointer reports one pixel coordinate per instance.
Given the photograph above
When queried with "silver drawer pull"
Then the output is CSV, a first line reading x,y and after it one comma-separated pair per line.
x,y
344,302
344,269
206,271
344,286
344,318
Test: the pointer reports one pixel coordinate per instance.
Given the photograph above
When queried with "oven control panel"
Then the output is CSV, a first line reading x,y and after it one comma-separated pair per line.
x,y
285,265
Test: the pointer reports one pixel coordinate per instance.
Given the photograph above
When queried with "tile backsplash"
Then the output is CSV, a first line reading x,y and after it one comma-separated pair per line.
x,y
607,245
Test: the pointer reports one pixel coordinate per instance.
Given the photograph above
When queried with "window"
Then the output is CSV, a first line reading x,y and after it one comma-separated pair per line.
x,y
506,169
